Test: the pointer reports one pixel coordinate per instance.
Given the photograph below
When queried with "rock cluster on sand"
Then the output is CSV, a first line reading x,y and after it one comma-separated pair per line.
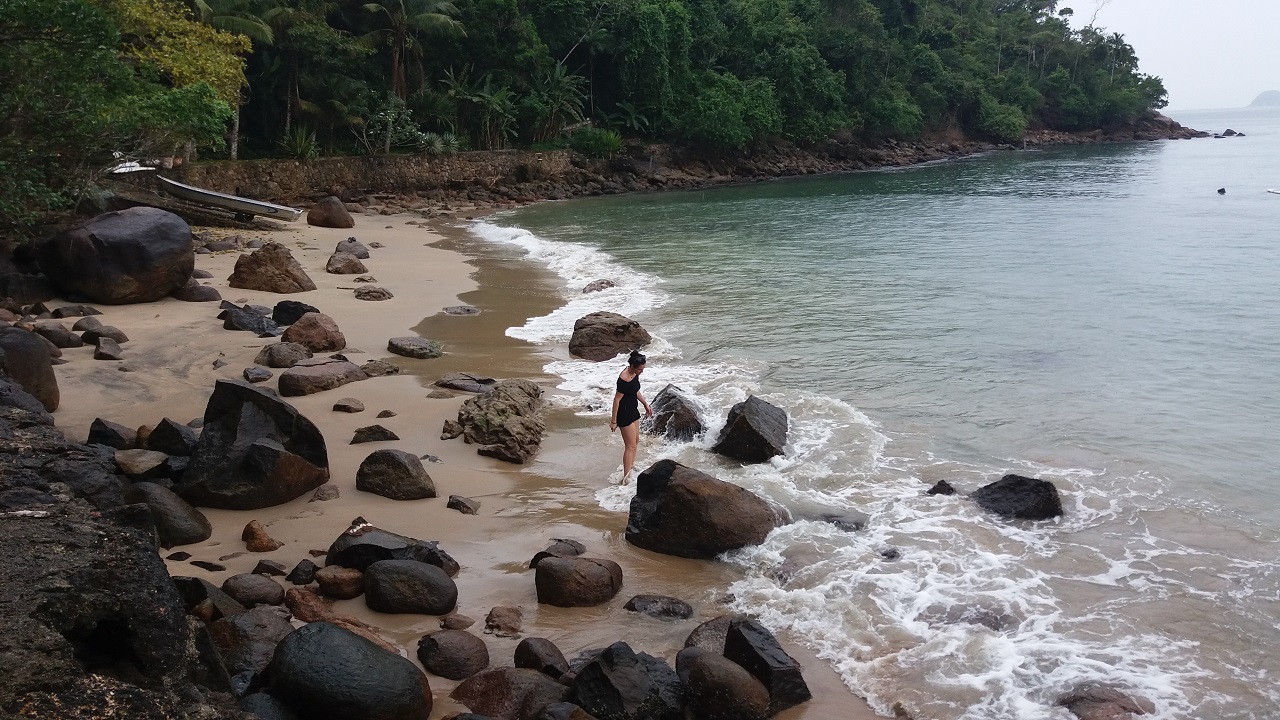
x,y
504,421
271,269
136,255
605,335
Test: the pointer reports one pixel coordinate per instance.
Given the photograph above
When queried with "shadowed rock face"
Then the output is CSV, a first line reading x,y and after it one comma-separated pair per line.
x,y
754,432
624,684
24,359
680,511
509,692
131,256
255,451
674,416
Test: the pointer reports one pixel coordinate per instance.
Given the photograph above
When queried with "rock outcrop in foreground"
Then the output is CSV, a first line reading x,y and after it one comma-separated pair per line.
x,y
681,511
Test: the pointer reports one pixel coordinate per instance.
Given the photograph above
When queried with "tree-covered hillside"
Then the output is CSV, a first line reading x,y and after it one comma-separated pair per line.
x,y
346,76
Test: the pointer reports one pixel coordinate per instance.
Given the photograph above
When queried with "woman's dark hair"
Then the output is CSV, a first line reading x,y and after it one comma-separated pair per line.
x,y
636,359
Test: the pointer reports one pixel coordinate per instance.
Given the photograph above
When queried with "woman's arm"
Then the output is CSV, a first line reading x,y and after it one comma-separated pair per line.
x,y
613,418
647,410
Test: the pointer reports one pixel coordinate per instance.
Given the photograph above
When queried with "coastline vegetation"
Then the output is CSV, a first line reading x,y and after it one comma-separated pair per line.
x,y
85,82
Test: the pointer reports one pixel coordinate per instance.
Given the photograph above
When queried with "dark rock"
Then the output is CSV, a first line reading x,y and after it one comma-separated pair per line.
x,y
209,565
257,540
201,274
25,361
255,451
257,374
373,293
107,349
177,523
270,567
131,256
598,285
560,548
250,589
58,334
542,655
627,685
324,672
717,688
266,707
1023,498
264,623
504,422
195,292
504,621
660,606
680,511
316,332
344,264
509,693
247,320
563,711
67,311
314,375
1095,701
453,654
348,405
450,430
577,582
113,435
340,583
304,573
942,487
754,432
462,310
395,474
454,621
353,247
330,213
325,493
373,433
415,347
194,591
282,355
464,505
750,645
362,545
466,382
383,414
288,312
604,335
674,416
409,586
846,520
173,438
178,556
271,269
710,635
379,368
88,322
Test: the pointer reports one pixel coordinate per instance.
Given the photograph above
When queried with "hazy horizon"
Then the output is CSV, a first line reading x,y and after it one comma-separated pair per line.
x,y
1211,56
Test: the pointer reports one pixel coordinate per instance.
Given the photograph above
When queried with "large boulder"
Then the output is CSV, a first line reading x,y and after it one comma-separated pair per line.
x,y
395,474
255,451
250,589
675,416
344,264
409,586
509,693
717,688
177,522
173,438
271,269
324,672
680,511
317,332
130,256
577,581
504,422
751,645
112,434
754,432
362,545
24,359
353,247
315,375
542,655
330,213
453,654
415,347
1022,498
604,335
622,684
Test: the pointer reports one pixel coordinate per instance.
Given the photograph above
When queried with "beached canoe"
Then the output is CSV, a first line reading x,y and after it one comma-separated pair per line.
x,y
244,208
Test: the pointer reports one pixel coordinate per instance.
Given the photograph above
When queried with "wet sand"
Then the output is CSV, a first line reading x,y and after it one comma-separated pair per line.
x,y
171,354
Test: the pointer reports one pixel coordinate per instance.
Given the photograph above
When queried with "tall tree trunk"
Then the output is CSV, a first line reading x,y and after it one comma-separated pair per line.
x,y
233,147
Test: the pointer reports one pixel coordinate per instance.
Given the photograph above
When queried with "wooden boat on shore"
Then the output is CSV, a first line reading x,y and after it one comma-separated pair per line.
x,y
244,208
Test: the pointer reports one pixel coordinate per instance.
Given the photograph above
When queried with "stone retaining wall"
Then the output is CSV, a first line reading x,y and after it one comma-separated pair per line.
x,y
285,179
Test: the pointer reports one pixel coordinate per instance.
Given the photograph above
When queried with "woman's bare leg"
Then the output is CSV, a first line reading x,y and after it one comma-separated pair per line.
x,y
630,439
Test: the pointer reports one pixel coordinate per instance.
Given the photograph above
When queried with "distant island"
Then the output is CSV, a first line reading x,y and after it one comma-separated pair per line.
x,y
1270,98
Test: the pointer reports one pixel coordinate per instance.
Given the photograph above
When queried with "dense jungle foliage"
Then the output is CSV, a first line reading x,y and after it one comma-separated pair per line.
x,y
81,79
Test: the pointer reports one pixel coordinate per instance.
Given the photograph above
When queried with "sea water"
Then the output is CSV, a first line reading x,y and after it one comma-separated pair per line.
x,y
1101,317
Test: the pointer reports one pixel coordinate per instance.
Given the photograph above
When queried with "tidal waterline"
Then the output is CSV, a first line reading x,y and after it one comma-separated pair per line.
x,y
1100,316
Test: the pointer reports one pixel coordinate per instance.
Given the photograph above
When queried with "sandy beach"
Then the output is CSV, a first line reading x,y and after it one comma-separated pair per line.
x,y
169,370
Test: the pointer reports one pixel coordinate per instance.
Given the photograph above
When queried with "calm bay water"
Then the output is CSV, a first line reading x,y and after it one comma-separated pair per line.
x,y
1097,316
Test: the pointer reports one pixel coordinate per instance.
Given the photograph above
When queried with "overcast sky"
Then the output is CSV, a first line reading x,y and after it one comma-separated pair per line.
x,y
1210,53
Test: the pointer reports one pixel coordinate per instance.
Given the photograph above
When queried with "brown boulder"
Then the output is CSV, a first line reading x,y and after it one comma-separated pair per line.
x,y
271,269
509,693
605,335
344,264
317,332
577,582
24,360
340,582
256,539
330,213
315,375
453,654
1094,701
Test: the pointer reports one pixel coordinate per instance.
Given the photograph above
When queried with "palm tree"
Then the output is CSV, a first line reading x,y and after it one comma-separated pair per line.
x,y
556,96
237,17
403,21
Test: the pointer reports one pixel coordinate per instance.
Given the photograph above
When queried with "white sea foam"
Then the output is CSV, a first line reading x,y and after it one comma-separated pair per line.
x,y
935,604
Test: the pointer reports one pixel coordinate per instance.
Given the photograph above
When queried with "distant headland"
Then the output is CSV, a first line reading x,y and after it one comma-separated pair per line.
x,y
1270,98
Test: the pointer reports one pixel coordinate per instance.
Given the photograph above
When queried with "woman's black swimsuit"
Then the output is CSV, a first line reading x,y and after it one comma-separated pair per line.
x,y
629,405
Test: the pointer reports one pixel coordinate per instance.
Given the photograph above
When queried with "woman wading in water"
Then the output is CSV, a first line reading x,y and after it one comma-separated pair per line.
x,y
626,411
